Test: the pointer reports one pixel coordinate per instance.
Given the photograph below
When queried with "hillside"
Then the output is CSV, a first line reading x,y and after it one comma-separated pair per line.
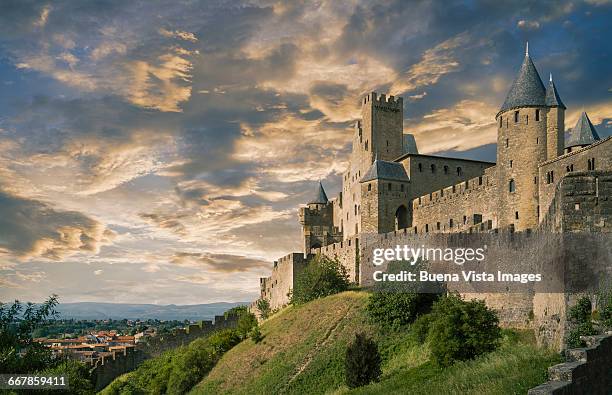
x,y
118,311
303,352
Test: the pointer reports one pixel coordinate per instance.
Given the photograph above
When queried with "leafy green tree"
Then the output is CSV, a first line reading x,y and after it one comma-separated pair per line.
x,y
264,308
362,362
321,277
581,311
18,352
461,330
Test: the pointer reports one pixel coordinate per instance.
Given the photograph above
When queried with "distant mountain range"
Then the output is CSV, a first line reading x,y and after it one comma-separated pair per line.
x,y
100,311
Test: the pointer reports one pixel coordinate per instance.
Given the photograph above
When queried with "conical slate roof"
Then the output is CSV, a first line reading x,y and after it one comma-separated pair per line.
x,y
320,196
385,170
583,133
527,89
552,97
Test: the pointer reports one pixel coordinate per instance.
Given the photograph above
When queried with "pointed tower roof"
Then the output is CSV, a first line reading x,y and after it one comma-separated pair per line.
x,y
527,89
320,197
384,170
552,97
583,133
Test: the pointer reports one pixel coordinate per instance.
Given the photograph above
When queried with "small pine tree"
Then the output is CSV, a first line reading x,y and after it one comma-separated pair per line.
x,y
362,362
264,308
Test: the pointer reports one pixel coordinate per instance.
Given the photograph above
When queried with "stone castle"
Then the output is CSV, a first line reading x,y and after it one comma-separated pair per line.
x,y
391,193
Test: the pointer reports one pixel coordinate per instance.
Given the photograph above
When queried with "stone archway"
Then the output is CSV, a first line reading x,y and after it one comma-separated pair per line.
x,y
401,218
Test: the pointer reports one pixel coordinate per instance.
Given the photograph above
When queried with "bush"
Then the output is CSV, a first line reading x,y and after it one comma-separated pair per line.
x,y
584,329
321,277
461,330
255,334
420,328
246,322
581,312
604,304
264,308
362,362
397,309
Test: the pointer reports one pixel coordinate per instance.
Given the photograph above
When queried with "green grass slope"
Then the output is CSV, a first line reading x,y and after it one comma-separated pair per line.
x,y
303,352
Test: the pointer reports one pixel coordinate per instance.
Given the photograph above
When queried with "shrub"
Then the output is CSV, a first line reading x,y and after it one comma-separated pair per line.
x,y
420,327
604,303
321,277
246,322
362,362
255,334
581,312
584,329
264,308
397,309
461,330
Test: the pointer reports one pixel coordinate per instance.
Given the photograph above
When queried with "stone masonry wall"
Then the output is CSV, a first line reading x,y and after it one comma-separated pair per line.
x,y
587,370
576,161
457,207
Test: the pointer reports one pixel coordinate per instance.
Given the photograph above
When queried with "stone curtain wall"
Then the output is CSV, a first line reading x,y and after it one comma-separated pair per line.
x,y
587,370
277,287
107,369
467,204
347,252
576,161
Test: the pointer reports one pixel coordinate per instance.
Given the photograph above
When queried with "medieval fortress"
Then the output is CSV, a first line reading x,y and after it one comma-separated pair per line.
x,y
543,187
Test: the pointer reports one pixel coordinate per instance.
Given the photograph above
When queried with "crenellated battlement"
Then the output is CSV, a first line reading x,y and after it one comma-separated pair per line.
x,y
381,100
453,191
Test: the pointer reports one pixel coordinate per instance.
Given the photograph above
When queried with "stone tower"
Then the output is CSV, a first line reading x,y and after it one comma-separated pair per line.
x,y
317,220
381,129
522,146
582,134
384,199
555,121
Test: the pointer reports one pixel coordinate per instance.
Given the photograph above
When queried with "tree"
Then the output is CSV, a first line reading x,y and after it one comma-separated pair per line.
x,y
461,330
580,320
362,362
264,308
18,352
321,277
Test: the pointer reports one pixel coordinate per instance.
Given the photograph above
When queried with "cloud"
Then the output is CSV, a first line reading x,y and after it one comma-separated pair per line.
x,y
33,229
528,25
435,63
225,263
187,36
466,125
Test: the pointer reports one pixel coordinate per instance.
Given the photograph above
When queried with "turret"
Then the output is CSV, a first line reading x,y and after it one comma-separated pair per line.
x,y
555,122
521,147
582,134
317,220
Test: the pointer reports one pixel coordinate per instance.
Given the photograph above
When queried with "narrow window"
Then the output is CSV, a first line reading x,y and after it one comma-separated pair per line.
x,y
366,146
369,187
387,143
420,167
507,143
445,169
511,186
537,115
437,226
535,180
593,163
450,222
511,164
402,188
516,116
426,228
459,172
552,176
500,121
389,186
433,168
537,140
527,119
516,215
479,180
464,220
355,209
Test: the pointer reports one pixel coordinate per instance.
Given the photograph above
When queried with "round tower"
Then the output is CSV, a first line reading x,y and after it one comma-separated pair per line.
x,y
521,147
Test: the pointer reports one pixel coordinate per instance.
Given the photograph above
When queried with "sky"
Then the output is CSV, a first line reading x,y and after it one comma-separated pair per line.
x,y
158,151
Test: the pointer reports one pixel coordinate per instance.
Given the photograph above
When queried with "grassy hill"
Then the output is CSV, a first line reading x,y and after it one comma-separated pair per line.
x,y
303,352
